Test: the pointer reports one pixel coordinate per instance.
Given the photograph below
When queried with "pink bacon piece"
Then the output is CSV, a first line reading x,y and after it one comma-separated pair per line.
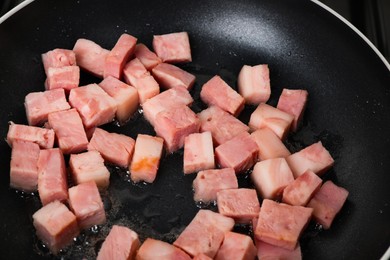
x,y
280,224
41,136
146,158
166,100
24,166
136,75
302,189
125,96
89,166
69,131
55,225
67,77
40,104
90,56
327,203
271,176
134,70
115,148
209,182
174,125
236,246
240,204
268,251
276,120
119,55
270,146
222,125
94,105
148,58
239,153
218,93
293,101
254,84
198,152
204,234
170,76
87,205
52,177
157,249
202,257
58,58
121,243
314,157
173,47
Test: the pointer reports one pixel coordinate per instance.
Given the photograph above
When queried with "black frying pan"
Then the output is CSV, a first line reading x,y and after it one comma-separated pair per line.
x,y
305,47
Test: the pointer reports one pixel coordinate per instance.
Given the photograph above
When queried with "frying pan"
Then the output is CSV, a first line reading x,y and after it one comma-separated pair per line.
x,y
305,47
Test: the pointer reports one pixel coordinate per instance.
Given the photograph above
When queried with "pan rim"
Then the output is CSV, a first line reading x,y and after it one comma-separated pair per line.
x,y
356,30
15,10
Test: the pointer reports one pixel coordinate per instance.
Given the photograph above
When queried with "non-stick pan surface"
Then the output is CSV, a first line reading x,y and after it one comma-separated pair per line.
x,y
305,47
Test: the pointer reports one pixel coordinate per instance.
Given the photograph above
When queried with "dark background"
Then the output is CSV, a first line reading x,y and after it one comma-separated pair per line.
x,y
371,17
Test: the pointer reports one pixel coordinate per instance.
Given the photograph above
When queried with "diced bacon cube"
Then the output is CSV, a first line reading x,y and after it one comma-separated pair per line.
x,y
222,125
202,257
209,182
327,202
166,100
121,243
58,58
147,88
218,93
90,56
254,84
270,146
115,148
52,177
171,76
41,136
89,166
40,104
119,55
236,246
125,96
69,131
293,101
67,77
314,157
204,234
271,176
276,120
136,75
55,225
198,152
146,158
157,249
148,58
24,166
174,125
133,70
87,205
173,47
239,204
95,106
301,190
239,153
268,251
280,224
